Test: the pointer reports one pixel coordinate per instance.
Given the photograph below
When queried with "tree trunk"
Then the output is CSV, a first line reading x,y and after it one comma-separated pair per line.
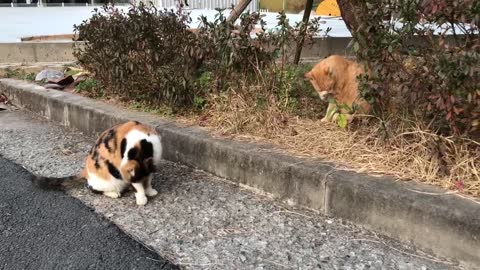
x,y
306,18
238,9
350,13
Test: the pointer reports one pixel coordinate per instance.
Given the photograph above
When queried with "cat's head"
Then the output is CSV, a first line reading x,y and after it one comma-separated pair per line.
x,y
135,169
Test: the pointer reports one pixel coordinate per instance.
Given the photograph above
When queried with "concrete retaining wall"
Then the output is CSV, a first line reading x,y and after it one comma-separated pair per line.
x,y
36,52
447,225
54,51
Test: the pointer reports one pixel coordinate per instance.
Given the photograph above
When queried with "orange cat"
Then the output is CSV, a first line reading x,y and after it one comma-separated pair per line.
x,y
336,77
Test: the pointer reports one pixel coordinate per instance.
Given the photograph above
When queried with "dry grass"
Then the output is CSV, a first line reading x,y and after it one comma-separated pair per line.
x,y
410,152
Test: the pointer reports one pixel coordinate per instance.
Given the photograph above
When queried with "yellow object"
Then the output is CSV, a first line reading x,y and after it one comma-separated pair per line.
x,y
328,8
294,6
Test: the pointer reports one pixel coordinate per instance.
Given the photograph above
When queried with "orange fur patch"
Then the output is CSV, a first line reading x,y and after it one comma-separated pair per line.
x,y
336,77
108,149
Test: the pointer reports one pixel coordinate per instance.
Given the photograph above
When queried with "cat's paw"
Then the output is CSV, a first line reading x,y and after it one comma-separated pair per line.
x,y
112,194
151,192
335,117
141,200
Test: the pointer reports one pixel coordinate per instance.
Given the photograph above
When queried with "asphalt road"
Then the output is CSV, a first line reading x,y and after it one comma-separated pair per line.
x,y
51,230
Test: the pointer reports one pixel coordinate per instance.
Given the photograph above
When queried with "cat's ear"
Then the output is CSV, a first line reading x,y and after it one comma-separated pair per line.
x,y
149,164
132,172
329,71
308,76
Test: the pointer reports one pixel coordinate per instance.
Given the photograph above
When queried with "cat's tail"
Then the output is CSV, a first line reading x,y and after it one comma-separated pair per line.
x,y
56,182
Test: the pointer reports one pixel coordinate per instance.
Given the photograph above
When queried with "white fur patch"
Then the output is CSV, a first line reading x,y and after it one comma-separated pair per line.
x,y
106,185
323,95
150,191
134,136
140,196
114,195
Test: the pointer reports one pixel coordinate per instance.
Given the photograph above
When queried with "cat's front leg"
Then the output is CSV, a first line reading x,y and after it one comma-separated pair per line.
x,y
140,195
330,113
112,194
150,191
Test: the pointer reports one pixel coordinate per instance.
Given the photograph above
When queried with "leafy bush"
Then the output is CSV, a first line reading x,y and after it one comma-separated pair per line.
x,y
424,60
19,74
226,46
151,56
142,54
30,76
90,87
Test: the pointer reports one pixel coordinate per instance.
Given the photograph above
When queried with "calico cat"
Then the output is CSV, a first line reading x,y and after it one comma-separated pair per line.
x,y
123,155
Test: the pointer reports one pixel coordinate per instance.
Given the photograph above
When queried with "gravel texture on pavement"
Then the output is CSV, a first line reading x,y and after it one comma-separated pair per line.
x,y
199,221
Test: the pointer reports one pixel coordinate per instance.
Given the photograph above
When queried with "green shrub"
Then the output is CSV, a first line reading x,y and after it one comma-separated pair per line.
x,y
19,74
257,66
140,54
418,68
151,57
30,76
90,87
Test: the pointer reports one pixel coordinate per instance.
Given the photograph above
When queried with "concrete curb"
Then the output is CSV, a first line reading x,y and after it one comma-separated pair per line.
x,y
447,225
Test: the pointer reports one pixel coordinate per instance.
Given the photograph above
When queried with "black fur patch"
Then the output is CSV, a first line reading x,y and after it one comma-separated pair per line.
x,y
136,179
136,122
95,159
99,141
143,171
149,165
147,149
94,153
140,176
123,147
115,142
132,153
111,135
92,150
113,170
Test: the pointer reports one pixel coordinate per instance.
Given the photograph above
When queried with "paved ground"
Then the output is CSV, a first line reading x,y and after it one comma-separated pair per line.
x,y
202,222
50,230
